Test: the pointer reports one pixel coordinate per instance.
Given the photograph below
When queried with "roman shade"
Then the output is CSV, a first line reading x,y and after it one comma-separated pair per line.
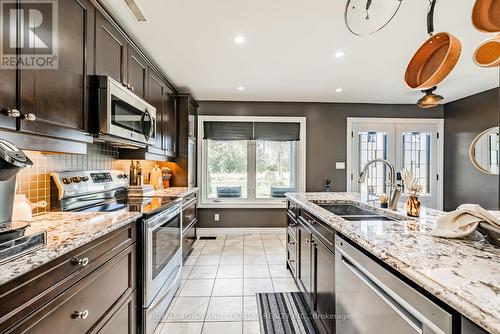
x,y
273,131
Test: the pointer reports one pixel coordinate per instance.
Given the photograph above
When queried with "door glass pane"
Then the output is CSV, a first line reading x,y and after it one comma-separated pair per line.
x,y
227,168
275,166
126,116
416,156
373,145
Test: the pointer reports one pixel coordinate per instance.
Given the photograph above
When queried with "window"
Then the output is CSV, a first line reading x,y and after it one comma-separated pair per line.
x,y
250,161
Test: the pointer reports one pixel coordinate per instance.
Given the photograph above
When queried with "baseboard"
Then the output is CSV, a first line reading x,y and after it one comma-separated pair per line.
x,y
239,230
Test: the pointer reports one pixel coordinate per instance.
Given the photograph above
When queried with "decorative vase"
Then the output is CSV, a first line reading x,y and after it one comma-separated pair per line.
x,y
413,206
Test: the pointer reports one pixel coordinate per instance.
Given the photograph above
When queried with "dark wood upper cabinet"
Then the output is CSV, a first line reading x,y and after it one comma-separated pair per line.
x,y
170,123
155,96
137,71
110,50
54,102
8,105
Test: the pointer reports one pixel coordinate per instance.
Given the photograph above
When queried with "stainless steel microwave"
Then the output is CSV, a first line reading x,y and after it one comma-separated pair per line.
x,y
121,113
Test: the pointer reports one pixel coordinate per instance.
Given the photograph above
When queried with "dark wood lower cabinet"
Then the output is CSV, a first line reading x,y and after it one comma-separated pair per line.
x,y
315,273
324,280
66,297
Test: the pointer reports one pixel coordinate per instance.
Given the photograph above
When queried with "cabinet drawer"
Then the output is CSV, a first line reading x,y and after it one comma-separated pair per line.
x,y
25,294
321,230
124,320
93,300
291,252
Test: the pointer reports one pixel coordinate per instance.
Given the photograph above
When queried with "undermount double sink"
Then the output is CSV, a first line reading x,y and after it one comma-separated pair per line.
x,y
355,213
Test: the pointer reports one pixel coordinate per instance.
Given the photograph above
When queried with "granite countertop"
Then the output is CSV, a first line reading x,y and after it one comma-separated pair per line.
x,y
175,191
66,231
464,273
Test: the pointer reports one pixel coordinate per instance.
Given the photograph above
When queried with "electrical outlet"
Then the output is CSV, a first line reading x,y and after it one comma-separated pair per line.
x,y
216,217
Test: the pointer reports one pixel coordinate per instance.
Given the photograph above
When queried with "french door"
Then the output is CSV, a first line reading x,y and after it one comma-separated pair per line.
x,y
409,144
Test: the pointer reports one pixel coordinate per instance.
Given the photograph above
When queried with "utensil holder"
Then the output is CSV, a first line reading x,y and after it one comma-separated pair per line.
x,y
413,206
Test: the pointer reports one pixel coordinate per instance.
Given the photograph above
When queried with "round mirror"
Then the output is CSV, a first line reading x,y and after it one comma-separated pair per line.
x,y
484,153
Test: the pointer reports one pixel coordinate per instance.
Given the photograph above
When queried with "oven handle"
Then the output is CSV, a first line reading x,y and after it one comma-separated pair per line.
x,y
156,221
188,204
147,135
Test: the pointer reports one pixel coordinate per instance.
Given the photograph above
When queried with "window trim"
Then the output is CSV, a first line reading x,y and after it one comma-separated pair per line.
x,y
204,202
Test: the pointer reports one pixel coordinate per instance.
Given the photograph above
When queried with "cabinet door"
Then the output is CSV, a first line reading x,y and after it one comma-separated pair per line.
x,y
110,50
324,285
137,69
124,320
171,123
305,275
58,97
155,96
8,103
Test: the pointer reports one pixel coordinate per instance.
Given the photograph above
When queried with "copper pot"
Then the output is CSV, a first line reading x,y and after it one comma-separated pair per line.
x,y
486,15
433,61
487,53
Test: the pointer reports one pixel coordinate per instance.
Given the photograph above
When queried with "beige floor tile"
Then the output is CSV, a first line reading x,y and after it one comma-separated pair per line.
x,y
254,258
250,311
186,270
256,271
230,272
253,249
231,260
270,236
222,328
232,250
225,309
279,271
181,328
228,287
257,285
187,310
203,272
251,327
191,260
197,288
208,260
276,259
279,250
285,285
212,250
251,237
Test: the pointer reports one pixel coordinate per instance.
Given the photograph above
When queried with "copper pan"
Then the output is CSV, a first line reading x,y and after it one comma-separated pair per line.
x,y
486,15
487,53
435,59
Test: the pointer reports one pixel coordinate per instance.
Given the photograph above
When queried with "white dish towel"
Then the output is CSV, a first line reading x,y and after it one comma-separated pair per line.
x,y
463,221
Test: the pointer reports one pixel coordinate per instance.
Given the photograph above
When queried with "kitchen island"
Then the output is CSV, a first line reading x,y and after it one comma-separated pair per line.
x,y
464,274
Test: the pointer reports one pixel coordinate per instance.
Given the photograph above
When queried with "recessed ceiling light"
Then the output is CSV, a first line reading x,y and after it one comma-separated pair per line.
x,y
241,88
339,90
339,54
239,39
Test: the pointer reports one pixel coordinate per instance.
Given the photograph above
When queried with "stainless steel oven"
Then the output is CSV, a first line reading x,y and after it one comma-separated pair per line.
x,y
121,113
162,263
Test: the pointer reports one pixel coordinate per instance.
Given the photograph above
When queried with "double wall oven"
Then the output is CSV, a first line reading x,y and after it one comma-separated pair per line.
x,y
159,230
122,115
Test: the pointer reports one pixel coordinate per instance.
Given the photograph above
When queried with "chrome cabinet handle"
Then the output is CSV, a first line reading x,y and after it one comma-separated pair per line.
x,y
80,314
29,117
132,88
82,262
128,86
11,113
292,243
311,221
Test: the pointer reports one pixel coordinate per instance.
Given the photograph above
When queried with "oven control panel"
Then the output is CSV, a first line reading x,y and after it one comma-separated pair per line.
x,y
85,182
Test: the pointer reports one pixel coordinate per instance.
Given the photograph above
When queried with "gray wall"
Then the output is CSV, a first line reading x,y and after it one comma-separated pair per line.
x,y
464,120
326,144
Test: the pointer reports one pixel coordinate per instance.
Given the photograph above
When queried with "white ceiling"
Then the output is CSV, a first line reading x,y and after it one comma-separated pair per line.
x,y
289,53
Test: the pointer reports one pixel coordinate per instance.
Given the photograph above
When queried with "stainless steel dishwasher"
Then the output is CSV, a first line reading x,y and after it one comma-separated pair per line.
x,y
371,300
